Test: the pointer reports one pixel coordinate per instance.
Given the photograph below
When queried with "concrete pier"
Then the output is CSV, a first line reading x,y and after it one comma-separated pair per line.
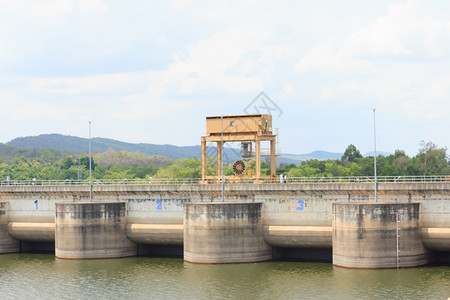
x,y
7,243
224,233
92,230
377,235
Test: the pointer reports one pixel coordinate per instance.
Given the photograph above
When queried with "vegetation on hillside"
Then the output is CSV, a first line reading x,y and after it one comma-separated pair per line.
x,y
43,164
9,153
431,160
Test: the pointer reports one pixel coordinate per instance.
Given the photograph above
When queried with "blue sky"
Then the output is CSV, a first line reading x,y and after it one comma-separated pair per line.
x,y
151,71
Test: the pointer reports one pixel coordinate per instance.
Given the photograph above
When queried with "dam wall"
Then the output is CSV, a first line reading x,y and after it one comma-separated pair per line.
x,y
293,215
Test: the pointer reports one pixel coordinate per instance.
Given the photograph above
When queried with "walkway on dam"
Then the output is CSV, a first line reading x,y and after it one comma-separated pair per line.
x,y
243,180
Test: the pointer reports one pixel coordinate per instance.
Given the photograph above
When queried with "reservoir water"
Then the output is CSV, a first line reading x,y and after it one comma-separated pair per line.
x,y
42,276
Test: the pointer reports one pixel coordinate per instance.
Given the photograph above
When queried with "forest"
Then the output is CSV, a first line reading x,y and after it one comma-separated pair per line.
x,y
45,164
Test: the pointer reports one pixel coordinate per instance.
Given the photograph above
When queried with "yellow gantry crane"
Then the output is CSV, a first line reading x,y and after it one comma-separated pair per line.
x,y
249,130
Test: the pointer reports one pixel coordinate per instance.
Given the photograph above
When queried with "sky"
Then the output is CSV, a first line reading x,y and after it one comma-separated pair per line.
x,y
151,71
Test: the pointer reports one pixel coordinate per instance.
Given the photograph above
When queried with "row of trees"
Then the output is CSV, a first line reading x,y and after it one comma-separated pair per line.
x,y
431,160
25,169
107,165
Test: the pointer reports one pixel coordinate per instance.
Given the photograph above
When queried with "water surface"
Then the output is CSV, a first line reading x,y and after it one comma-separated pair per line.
x,y
42,276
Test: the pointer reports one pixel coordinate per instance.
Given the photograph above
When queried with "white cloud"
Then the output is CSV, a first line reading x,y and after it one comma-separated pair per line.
x,y
32,9
210,59
29,110
326,59
97,84
401,56
131,67
49,9
93,6
408,30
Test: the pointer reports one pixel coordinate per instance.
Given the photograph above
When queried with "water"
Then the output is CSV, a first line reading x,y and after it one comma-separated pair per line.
x,y
42,276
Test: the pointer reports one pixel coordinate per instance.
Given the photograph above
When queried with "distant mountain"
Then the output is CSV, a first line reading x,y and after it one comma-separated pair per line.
x,y
74,144
368,154
319,154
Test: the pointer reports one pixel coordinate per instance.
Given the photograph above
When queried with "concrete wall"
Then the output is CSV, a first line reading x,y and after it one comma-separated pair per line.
x,y
294,215
7,243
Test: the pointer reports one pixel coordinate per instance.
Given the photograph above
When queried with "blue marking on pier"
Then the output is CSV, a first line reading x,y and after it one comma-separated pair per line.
x,y
159,204
300,205
36,203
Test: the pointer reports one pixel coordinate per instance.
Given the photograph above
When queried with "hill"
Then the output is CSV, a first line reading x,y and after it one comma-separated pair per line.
x,y
8,153
72,144
319,154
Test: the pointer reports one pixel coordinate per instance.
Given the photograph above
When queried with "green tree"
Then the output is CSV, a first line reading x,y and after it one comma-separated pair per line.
x,y
265,169
344,171
431,160
23,169
400,162
117,172
67,163
331,168
284,168
355,169
351,154
84,161
98,173
365,166
304,170
51,171
181,168
316,164
5,171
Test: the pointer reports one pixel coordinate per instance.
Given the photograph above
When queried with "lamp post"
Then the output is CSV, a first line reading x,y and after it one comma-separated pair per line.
x,y
221,158
375,155
90,164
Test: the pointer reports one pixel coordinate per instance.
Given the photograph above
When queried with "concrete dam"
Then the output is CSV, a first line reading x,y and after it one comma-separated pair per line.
x,y
408,226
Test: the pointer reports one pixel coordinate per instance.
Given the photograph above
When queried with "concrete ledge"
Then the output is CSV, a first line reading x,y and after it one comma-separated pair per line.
x,y
95,253
436,233
437,239
381,263
32,232
298,236
161,234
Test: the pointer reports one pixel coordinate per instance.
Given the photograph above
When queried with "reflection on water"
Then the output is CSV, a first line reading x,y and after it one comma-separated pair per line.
x,y
42,276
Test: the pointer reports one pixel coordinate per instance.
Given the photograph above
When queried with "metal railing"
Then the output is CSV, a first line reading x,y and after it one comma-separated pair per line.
x,y
266,180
